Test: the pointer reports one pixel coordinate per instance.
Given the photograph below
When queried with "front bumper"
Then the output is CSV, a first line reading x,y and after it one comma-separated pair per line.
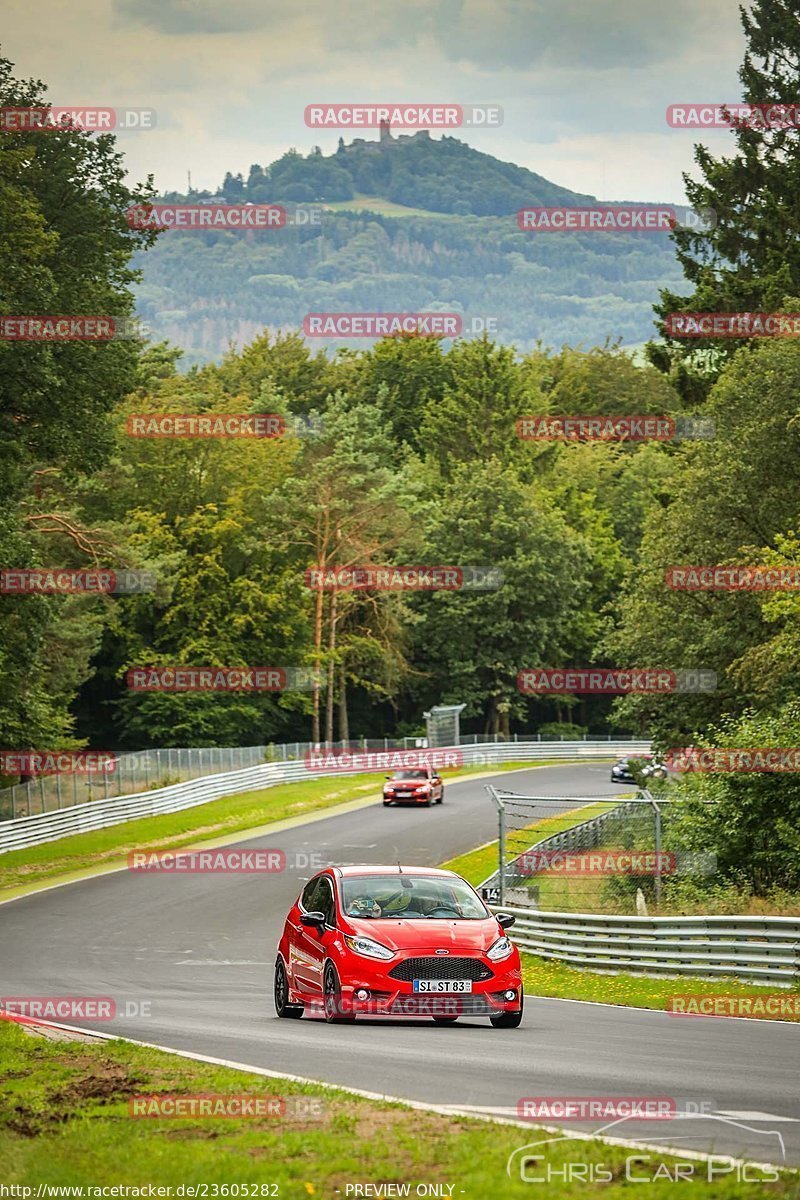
x,y
392,997
416,798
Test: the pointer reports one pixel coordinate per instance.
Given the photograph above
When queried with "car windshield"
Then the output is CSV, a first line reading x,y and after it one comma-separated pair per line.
x,y
410,775
415,897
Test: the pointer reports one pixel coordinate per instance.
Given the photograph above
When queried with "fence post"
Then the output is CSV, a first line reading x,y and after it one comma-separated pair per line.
x,y
501,848
657,814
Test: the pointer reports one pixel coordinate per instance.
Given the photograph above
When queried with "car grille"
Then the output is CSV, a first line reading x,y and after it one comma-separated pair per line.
x,y
441,967
441,1006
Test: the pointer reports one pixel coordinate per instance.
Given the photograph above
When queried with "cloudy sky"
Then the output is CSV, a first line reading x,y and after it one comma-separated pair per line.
x,y
583,84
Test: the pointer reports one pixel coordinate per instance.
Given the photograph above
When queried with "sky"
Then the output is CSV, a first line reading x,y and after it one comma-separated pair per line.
x,y
583,84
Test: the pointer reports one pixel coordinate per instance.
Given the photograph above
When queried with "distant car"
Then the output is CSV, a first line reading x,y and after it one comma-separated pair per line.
x,y
621,772
396,941
417,785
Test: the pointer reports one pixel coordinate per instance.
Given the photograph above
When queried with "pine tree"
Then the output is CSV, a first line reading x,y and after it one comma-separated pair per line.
x,y
750,260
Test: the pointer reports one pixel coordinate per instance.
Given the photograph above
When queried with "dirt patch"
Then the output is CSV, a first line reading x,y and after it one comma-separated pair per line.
x,y
103,1083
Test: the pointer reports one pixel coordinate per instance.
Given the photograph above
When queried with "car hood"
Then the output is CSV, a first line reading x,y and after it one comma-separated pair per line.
x,y
429,934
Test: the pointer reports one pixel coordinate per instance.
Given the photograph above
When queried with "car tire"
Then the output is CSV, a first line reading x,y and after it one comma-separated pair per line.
x,y
509,1020
387,804
332,992
281,994
441,798
445,1020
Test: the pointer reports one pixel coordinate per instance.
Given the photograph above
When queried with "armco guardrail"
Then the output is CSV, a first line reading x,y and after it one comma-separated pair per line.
x,y
765,949
99,814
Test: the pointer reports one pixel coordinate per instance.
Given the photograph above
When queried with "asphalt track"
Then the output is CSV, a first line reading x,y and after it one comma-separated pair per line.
x,y
198,950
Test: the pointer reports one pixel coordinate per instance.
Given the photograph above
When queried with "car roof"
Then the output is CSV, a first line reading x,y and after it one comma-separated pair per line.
x,y
371,869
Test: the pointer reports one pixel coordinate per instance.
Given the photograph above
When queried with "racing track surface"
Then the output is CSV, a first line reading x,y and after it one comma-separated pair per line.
x,y
199,948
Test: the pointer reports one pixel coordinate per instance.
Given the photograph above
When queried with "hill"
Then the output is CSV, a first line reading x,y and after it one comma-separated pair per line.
x,y
409,224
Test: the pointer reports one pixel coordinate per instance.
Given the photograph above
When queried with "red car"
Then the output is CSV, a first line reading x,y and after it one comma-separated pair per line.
x,y
419,785
396,941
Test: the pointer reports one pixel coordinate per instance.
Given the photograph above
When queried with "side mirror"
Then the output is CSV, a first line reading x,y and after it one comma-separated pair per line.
x,y
505,920
314,920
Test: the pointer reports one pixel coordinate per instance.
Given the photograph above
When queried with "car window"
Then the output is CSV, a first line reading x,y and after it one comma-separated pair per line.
x,y
412,897
309,899
323,900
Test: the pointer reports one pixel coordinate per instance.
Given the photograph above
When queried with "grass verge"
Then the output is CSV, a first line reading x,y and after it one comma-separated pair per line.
x,y
549,977
478,864
65,1120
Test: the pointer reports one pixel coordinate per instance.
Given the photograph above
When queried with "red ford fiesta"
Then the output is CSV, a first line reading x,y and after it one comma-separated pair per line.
x,y
396,941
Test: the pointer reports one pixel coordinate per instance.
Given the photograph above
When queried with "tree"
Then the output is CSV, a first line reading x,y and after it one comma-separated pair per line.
x,y
750,260
751,819
344,506
473,644
65,248
729,500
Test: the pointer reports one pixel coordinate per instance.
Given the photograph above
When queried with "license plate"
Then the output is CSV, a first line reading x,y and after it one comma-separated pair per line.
x,y
402,795
442,985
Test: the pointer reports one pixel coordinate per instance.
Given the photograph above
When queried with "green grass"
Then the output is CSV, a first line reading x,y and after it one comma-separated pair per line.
x,y
386,208
65,1121
548,977
477,865
207,822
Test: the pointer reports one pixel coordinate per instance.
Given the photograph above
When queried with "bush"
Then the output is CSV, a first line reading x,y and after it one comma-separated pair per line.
x,y
553,731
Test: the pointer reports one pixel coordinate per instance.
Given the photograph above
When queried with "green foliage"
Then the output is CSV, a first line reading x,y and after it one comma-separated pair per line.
x,y
64,249
750,819
750,260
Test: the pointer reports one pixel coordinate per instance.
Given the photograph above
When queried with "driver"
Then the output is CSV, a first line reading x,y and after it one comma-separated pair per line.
x,y
364,906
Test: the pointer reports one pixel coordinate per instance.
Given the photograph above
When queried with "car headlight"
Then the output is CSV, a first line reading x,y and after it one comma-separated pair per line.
x,y
499,949
366,946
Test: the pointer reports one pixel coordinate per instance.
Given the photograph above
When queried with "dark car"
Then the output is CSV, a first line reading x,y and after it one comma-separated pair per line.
x,y
417,785
622,771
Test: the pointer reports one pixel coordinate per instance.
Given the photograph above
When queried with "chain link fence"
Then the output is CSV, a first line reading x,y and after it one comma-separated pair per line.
x,y
591,854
